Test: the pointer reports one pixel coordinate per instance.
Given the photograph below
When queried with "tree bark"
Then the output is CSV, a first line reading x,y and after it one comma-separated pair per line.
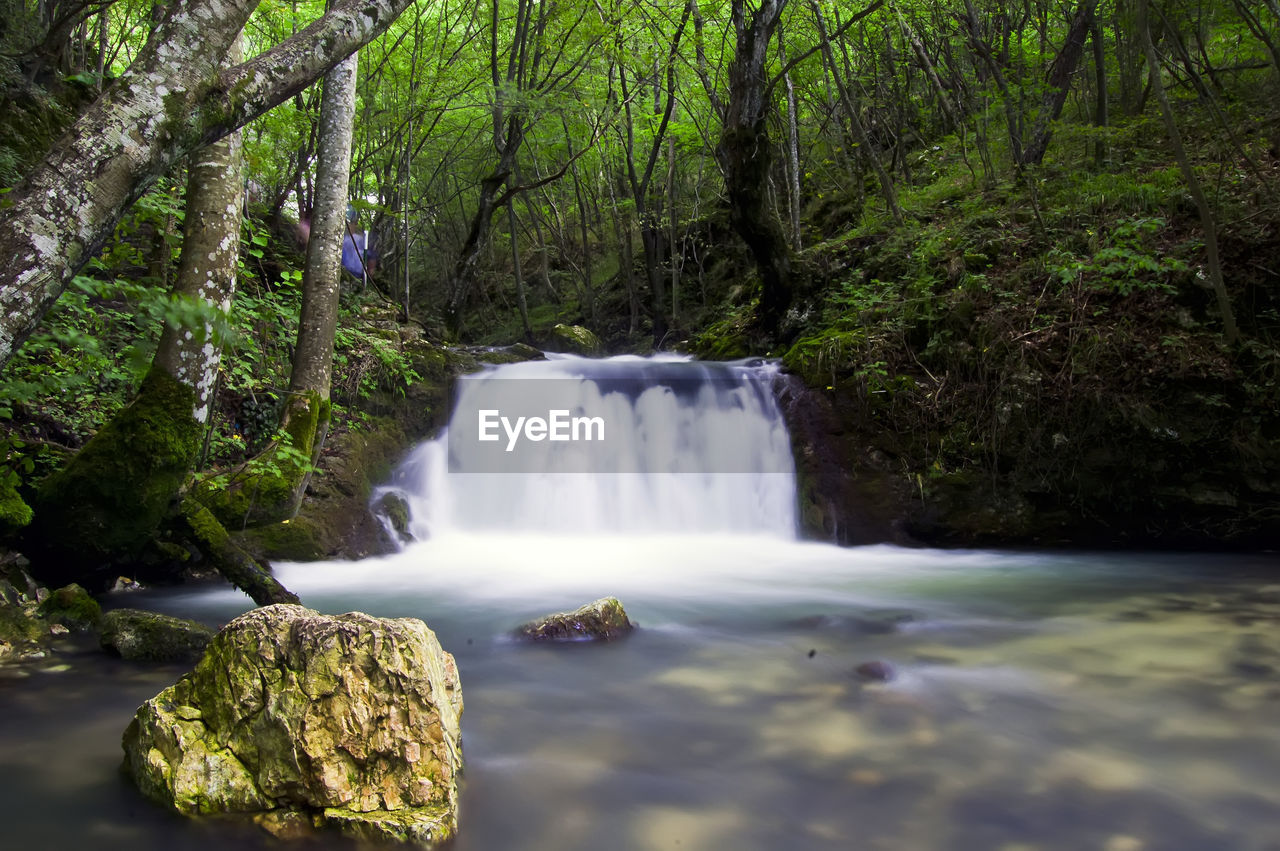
x,y
851,108
106,504
175,98
318,322
1058,82
745,154
270,488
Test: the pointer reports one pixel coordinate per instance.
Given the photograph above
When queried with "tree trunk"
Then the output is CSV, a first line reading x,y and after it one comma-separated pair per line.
x,y
174,99
106,504
270,488
793,151
745,154
855,120
1207,221
1059,83
1100,117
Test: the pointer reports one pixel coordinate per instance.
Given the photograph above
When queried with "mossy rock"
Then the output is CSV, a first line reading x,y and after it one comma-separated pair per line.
x,y
143,636
106,504
395,511
600,620
73,607
357,727
20,630
14,511
576,340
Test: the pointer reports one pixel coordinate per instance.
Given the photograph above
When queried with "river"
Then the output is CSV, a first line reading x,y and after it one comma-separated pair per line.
x,y
1037,700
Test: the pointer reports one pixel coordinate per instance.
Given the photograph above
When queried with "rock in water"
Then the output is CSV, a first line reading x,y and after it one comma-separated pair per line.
x,y
349,721
73,607
141,636
603,620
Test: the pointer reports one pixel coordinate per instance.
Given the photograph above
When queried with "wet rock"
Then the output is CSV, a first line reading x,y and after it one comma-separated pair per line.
x,y
124,583
575,339
601,620
348,721
73,607
141,636
22,635
877,671
392,508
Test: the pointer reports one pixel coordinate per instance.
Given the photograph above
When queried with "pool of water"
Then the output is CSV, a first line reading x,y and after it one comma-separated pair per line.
x,y
1039,700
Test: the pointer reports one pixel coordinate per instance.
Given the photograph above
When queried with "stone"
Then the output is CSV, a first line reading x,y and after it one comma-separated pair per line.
x,y
141,636
73,607
601,620
347,721
124,583
394,512
875,671
576,340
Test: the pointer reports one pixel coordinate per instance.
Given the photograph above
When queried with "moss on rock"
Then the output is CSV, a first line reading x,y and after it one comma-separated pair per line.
x,y
357,727
576,339
143,636
106,504
14,511
600,620
73,607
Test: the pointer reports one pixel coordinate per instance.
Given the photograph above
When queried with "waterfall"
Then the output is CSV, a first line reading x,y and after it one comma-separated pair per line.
x,y
627,445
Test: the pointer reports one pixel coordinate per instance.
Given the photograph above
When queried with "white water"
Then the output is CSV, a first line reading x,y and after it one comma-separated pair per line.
x,y
691,448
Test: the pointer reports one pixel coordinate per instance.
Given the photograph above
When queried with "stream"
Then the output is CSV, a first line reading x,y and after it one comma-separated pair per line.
x,y
1038,700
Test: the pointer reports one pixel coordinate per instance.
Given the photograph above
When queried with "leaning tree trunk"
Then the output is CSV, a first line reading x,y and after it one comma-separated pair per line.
x,y
270,488
1207,220
105,506
1058,83
175,98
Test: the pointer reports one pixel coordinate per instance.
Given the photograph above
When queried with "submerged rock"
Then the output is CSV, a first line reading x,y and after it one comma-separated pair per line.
x,y
141,636
602,620
876,671
348,721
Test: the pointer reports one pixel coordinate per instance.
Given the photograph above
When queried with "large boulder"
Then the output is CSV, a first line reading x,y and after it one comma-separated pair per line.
x,y
601,620
294,717
142,636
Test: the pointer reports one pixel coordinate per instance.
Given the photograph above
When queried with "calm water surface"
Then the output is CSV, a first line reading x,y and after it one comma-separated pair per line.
x,y
1041,701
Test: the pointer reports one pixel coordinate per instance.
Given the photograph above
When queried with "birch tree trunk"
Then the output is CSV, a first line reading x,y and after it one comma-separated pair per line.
x,y
174,99
270,488
106,505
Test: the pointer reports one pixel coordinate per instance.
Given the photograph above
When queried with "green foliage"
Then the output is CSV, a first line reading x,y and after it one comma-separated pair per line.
x,y
1126,261
367,359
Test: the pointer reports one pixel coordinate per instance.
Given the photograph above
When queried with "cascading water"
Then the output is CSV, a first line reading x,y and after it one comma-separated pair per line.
x,y
681,447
